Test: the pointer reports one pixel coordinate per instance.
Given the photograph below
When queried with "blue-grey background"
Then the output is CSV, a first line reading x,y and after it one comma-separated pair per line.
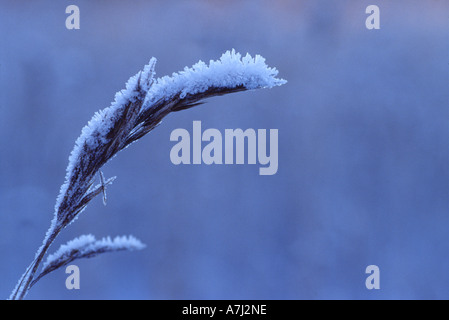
x,y
363,150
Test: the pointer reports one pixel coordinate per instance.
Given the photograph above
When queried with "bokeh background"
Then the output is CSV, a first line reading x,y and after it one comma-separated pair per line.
x,y
363,150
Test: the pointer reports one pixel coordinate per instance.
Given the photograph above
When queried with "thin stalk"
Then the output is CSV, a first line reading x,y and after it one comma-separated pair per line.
x,y
24,284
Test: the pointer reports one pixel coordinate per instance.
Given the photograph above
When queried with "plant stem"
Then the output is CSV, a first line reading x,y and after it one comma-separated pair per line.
x,y
24,285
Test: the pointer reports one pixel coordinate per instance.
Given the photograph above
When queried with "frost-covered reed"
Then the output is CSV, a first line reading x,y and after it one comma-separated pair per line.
x,y
136,110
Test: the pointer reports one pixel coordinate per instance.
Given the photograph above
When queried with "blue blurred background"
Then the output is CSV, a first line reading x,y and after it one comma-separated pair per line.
x,y
363,150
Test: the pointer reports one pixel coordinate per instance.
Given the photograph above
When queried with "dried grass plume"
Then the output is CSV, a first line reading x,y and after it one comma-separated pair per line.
x,y
137,110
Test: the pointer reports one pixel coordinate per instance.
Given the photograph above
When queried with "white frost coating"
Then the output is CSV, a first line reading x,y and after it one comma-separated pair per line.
x,y
95,131
230,71
86,245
